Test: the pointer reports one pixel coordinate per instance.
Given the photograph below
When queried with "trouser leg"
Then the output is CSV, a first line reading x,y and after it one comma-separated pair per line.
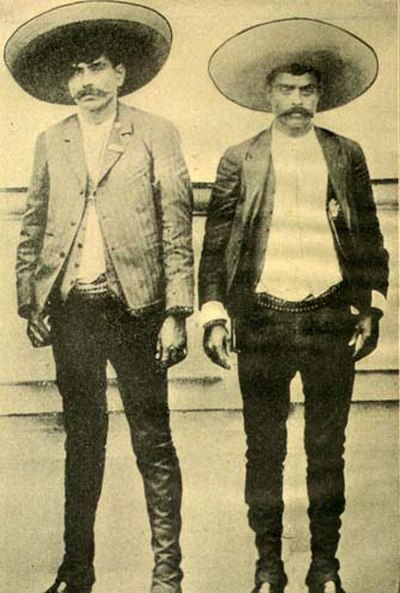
x,y
327,372
79,352
265,385
143,387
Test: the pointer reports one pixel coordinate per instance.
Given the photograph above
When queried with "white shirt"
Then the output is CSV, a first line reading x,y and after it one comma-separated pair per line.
x,y
95,138
300,259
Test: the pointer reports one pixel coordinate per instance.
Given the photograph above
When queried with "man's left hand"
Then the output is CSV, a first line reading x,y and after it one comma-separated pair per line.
x,y
365,337
172,341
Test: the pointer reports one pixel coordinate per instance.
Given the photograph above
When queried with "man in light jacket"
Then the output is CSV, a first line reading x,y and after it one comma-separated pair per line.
x,y
105,262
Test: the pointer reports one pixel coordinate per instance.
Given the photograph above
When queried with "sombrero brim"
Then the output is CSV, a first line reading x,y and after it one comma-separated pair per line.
x,y
239,67
40,50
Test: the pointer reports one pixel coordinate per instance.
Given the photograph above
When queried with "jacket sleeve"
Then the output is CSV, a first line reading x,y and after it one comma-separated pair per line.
x,y
220,216
175,204
373,257
32,231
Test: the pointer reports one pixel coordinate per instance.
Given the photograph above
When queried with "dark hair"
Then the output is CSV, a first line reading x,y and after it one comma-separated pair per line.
x,y
95,48
295,69
84,44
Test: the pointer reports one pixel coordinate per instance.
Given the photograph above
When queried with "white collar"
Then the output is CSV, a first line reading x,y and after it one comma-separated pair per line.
x,y
107,123
282,138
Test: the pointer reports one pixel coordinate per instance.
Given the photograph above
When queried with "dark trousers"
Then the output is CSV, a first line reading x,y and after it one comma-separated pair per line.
x,y
273,346
85,334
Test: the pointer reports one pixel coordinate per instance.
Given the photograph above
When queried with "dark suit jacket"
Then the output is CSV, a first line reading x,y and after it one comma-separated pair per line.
x,y
144,203
240,213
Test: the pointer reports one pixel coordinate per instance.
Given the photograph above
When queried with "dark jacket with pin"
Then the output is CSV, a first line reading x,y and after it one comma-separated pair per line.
x,y
240,214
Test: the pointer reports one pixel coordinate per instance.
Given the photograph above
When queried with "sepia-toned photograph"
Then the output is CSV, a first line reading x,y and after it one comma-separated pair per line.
x,y
199,296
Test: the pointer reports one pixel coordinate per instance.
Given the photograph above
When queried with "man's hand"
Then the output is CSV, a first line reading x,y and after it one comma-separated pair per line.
x,y
172,340
38,330
215,343
365,337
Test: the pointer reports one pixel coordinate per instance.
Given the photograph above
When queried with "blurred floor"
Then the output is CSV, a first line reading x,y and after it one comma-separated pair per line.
x,y
218,547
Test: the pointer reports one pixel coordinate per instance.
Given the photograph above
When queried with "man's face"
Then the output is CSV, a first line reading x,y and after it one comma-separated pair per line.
x,y
294,99
95,84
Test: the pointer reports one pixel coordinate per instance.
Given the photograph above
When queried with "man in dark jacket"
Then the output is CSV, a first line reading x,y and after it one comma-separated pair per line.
x,y
293,253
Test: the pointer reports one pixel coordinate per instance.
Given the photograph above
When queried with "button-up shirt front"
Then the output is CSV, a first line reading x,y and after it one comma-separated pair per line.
x,y
95,139
301,260
89,258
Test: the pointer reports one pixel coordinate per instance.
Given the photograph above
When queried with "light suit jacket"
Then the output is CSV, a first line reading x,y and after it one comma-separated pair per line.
x,y
241,208
144,204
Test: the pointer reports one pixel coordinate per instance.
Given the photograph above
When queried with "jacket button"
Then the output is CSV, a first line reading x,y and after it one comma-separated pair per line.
x,y
62,254
73,223
80,245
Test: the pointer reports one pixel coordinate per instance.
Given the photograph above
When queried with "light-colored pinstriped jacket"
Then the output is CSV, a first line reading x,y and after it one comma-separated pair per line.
x,y
144,203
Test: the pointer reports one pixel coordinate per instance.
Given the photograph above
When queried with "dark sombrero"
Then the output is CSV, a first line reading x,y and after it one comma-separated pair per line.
x,y
38,52
239,67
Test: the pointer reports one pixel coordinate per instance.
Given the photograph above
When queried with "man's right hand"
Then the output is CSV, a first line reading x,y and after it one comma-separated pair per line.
x,y
366,335
38,330
215,343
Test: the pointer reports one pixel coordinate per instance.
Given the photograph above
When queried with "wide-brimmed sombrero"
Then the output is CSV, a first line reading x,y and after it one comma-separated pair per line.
x,y
239,67
39,51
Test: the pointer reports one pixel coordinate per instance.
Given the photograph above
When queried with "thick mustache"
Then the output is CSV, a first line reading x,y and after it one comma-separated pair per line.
x,y
300,110
92,92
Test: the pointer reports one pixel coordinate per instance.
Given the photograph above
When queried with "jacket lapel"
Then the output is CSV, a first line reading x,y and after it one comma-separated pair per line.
x,y
259,181
256,169
337,163
258,187
121,133
73,148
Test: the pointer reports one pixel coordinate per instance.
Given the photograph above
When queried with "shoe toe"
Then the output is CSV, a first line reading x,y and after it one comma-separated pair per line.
x,y
269,588
331,586
58,587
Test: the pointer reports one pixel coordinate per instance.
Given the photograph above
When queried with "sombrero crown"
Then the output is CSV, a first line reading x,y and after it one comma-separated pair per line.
x,y
38,52
239,67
